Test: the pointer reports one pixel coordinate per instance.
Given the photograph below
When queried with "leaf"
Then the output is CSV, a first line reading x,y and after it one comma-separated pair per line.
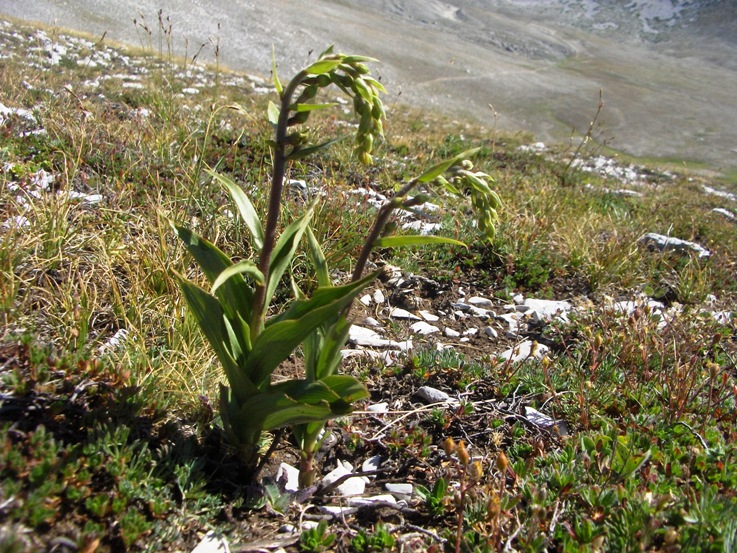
x,y
210,317
279,339
400,241
300,153
358,59
269,411
235,296
328,51
320,67
437,170
283,253
245,208
373,82
334,339
245,266
347,387
318,260
273,112
299,108
275,77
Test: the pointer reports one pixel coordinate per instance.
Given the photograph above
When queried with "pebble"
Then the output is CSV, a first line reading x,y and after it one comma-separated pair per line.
x,y
429,317
399,313
372,463
428,394
480,302
450,333
661,242
379,297
212,543
423,329
350,487
491,332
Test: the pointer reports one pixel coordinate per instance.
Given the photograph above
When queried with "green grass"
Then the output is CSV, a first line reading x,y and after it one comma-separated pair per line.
x,y
118,447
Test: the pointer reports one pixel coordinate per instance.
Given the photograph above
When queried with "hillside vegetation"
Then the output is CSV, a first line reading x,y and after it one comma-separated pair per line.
x,y
616,431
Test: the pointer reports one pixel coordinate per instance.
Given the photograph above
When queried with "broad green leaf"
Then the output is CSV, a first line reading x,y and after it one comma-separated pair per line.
x,y
437,170
245,208
318,260
246,266
305,391
320,67
346,387
324,295
209,315
284,251
273,112
301,153
269,411
399,241
275,77
333,341
235,296
312,107
279,339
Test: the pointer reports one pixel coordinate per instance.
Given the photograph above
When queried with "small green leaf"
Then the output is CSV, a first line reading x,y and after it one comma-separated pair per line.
x,y
318,259
437,170
275,77
246,266
245,208
299,108
320,67
400,241
300,153
273,113
358,59
373,82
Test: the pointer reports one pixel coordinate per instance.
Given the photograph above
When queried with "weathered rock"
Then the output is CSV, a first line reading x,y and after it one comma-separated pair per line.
x,y
479,301
450,333
399,313
351,486
661,242
491,332
429,394
422,328
429,317
212,543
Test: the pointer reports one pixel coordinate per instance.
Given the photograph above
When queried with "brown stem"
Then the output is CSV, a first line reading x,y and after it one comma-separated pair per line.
x,y
381,220
272,217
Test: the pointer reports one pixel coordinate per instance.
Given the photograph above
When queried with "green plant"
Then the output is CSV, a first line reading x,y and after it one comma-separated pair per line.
x,y
378,540
249,343
317,538
435,499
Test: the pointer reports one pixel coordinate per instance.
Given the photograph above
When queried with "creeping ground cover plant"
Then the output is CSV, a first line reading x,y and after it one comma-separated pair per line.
x,y
237,314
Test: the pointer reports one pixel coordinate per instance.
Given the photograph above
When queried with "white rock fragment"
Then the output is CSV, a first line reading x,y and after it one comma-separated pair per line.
x,y
423,329
399,313
365,300
491,332
479,301
401,491
526,350
115,341
725,212
383,498
422,227
351,486
379,297
471,332
720,193
289,474
212,543
518,299
429,317
428,394
371,464
191,90
480,312
450,333
382,407
371,322
661,242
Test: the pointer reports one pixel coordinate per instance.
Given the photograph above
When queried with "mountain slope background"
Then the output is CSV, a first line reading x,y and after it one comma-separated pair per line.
x,y
667,69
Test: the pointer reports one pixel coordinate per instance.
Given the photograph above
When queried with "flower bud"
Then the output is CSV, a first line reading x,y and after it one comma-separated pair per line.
x,y
502,462
449,446
462,453
476,470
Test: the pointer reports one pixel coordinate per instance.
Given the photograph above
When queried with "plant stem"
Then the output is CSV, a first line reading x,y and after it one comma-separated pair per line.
x,y
272,217
381,220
